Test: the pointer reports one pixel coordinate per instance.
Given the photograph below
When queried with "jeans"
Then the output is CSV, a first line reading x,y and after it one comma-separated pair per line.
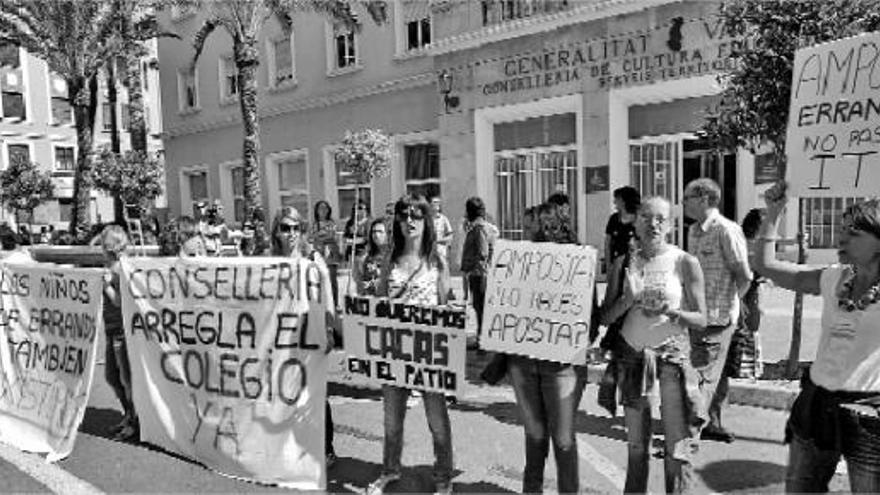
x,y
860,440
477,286
548,395
809,468
678,445
117,372
709,350
394,402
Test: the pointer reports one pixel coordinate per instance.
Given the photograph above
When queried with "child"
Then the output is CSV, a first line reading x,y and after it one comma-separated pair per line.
x,y
117,369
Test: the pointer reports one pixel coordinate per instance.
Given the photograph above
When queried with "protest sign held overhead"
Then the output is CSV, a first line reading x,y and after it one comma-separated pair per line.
x,y
389,342
230,367
833,139
539,300
49,321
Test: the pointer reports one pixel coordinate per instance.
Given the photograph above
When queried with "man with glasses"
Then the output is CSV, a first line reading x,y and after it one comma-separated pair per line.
x,y
720,246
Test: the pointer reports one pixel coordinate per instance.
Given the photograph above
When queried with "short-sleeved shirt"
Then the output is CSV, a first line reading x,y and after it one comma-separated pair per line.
x,y
848,358
621,234
720,246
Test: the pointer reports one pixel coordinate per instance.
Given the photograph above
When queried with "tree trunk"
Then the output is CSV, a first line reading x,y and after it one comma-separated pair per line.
x,y
115,146
84,100
138,124
246,62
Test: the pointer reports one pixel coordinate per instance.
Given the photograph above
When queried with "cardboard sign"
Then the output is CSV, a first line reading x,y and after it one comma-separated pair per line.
x,y
539,300
228,363
389,342
50,318
833,139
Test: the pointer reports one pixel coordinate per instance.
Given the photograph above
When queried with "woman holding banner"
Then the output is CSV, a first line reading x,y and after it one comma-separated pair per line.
x,y
414,275
838,409
288,240
661,297
548,393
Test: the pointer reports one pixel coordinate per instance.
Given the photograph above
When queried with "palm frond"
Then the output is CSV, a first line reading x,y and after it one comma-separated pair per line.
x,y
201,36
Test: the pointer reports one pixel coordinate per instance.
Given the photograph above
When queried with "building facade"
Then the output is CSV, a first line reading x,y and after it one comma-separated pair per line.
x,y
37,125
508,100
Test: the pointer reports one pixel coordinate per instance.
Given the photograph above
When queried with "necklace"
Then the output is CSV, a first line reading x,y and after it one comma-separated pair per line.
x,y
844,300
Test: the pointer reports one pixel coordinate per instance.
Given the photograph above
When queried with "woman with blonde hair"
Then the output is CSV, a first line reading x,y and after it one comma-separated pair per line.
x,y
660,295
288,240
117,368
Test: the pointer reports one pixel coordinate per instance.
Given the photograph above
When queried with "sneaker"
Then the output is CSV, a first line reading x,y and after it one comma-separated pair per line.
x,y
717,433
378,487
443,488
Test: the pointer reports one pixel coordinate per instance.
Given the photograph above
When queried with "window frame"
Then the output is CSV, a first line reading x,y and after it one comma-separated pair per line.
x,y
60,171
7,143
276,193
186,196
401,34
50,77
331,184
332,68
422,182
223,64
290,82
22,71
182,76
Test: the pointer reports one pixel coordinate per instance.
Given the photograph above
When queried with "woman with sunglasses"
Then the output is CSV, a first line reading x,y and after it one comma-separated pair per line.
x,y
415,274
288,240
369,269
323,236
836,412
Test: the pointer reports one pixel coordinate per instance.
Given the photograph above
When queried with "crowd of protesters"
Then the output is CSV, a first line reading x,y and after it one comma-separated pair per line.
x,y
680,323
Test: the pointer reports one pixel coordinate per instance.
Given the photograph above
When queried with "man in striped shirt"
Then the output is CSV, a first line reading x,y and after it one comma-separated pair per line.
x,y
720,246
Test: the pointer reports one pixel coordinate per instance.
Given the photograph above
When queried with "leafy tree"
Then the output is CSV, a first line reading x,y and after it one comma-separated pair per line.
x,y
134,176
243,20
755,101
23,187
75,38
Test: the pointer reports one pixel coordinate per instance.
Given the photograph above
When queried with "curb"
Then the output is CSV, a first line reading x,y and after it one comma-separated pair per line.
x,y
778,395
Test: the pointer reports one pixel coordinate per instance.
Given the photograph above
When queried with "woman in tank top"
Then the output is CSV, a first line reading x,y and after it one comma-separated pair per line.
x,y
661,297
838,409
415,275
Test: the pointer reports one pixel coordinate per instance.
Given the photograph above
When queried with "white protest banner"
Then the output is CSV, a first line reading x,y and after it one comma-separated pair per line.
x,y
539,300
833,136
49,321
389,342
227,369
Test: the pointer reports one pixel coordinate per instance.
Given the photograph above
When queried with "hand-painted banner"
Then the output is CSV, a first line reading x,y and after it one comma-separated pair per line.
x,y
389,342
49,321
539,300
228,362
833,140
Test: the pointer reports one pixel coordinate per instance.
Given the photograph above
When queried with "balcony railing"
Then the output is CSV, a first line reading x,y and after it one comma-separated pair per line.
x,y
499,11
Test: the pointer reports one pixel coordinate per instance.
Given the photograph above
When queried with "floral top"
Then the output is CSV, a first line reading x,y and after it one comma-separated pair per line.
x,y
370,272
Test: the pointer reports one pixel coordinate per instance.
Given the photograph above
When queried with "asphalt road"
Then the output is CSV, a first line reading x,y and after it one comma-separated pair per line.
x,y
488,441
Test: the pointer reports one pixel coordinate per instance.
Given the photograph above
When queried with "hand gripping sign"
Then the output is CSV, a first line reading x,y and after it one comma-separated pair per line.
x,y
49,321
388,342
229,365
539,300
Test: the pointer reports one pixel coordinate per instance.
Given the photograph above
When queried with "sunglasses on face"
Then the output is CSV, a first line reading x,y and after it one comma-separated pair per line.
x,y
286,228
414,214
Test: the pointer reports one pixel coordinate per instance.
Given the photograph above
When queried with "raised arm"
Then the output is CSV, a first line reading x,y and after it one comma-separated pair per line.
x,y
799,278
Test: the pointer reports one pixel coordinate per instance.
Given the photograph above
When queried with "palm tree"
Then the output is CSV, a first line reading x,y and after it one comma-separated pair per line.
x,y
75,38
243,20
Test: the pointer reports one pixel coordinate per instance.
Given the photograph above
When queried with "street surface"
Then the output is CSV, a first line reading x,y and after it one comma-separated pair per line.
x,y
487,436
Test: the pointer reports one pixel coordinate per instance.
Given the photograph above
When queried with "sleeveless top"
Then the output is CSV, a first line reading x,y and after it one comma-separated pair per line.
x,y
421,289
848,357
655,281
